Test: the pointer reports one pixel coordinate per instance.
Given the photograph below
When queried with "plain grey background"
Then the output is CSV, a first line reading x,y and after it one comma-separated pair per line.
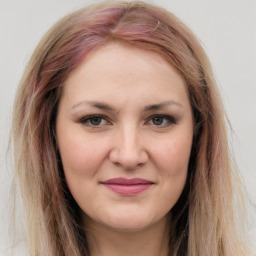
x,y
227,31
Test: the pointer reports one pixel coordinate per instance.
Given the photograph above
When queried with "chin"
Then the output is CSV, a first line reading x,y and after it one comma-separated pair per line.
x,y
129,221
128,226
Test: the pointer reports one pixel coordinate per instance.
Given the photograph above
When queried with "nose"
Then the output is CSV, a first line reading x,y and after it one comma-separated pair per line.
x,y
128,149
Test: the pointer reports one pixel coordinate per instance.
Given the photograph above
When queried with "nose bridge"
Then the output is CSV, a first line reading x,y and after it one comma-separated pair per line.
x,y
129,138
129,150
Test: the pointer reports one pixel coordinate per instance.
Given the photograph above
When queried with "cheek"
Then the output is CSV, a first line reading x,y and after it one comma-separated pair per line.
x,y
173,167
172,156
81,159
171,159
81,156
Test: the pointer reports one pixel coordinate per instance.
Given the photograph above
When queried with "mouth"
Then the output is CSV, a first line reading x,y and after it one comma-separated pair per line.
x,y
128,187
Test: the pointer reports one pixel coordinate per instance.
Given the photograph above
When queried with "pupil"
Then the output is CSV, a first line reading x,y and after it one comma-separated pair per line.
x,y
96,120
157,120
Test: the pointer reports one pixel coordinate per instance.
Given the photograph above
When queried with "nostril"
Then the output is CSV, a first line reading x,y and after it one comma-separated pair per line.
x,y
128,159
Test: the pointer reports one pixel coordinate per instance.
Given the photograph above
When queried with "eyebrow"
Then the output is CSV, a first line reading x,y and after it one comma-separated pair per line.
x,y
95,104
162,105
104,106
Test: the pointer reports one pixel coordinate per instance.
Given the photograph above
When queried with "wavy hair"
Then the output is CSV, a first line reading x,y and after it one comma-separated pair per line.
x,y
203,219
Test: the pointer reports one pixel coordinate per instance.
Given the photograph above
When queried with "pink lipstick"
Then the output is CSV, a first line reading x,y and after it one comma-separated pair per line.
x,y
128,187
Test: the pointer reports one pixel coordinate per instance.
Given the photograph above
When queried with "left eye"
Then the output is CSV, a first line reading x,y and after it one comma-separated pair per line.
x,y
162,120
94,120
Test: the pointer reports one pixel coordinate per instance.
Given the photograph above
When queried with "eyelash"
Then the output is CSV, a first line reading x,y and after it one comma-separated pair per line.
x,y
88,120
169,120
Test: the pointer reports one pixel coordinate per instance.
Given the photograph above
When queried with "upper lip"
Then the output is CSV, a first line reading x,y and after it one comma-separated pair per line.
x,y
125,181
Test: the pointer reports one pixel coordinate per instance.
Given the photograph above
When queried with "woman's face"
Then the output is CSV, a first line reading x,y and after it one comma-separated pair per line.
x,y
124,131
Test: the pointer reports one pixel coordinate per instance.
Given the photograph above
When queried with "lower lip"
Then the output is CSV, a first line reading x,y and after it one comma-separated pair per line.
x,y
128,190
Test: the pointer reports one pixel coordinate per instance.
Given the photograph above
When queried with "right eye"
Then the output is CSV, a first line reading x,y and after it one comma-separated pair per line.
x,y
94,121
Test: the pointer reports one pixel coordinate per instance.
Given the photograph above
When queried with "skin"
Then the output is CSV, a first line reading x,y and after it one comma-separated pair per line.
x,y
144,129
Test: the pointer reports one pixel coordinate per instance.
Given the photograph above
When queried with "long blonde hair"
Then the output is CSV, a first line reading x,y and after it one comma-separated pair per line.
x,y
203,220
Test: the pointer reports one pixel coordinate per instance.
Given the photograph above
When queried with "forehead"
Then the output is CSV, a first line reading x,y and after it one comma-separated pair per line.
x,y
106,58
123,69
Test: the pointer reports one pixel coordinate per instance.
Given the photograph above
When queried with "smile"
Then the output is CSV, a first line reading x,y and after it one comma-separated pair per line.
x,y
128,187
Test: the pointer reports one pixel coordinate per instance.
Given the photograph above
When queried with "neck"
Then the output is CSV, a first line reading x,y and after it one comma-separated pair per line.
x,y
151,241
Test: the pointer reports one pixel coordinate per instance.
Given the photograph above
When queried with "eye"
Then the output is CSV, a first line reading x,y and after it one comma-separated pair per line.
x,y
94,121
158,120
161,120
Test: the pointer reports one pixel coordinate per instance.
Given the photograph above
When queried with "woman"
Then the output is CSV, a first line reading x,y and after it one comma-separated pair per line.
x,y
120,140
